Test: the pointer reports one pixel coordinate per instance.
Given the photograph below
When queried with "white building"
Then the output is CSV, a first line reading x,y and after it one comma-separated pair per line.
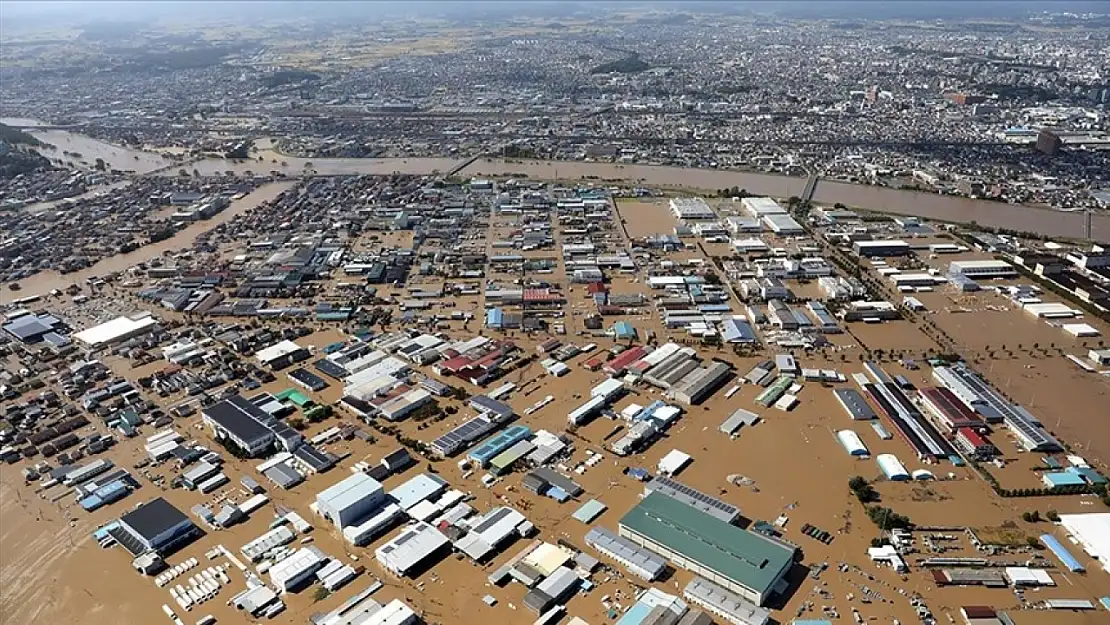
x,y
415,544
691,208
293,571
762,206
117,330
783,224
350,500
982,269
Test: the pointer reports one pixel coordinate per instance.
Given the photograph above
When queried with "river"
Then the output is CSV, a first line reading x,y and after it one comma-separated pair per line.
x,y
44,281
883,199
921,204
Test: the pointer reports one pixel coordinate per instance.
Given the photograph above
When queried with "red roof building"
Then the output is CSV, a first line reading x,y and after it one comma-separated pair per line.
x,y
624,359
542,296
971,442
948,409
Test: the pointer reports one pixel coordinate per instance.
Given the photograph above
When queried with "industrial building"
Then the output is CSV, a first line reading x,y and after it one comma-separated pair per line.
x,y
854,404
350,500
701,383
411,549
1091,531
749,564
852,443
691,208
982,269
643,563
686,495
976,394
492,447
297,569
905,416
491,532
762,206
974,444
154,526
117,330
881,249
738,419
948,410
892,468
555,588
724,603
248,427
281,354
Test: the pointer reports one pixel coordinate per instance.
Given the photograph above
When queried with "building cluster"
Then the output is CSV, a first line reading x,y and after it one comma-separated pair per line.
x,y
76,233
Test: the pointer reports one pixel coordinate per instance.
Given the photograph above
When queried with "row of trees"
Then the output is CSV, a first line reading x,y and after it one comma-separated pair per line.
x,y
863,490
1035,516
886,519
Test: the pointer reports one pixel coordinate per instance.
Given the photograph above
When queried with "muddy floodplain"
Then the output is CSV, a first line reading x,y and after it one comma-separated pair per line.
x,y
789,466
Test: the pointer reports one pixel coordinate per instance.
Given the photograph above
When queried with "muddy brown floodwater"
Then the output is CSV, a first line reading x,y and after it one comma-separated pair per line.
x,y
42,282
929,205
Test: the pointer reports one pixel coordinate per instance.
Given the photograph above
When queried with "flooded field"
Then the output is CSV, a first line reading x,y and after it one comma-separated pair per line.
x,y
96,581
146,162
83,152
929,205
45,281
641,219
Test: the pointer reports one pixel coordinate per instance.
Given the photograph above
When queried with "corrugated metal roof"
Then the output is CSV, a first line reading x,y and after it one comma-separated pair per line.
x,y
744,557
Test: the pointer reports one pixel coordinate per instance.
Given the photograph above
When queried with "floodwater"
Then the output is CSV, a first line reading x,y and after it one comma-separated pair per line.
x,y
921,204
928,205
115,157
43,282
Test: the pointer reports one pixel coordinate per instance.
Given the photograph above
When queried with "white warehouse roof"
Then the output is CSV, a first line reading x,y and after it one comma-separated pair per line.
x,y
892,467
852,442
409,548
275,351
117,329
673,462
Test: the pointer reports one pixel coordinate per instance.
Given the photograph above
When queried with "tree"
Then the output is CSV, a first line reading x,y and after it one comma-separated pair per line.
x,y
1052,515
1033,542
320,594
1027,517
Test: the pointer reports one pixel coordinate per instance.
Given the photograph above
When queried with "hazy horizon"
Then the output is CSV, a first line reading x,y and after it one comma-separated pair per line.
x,y
75,12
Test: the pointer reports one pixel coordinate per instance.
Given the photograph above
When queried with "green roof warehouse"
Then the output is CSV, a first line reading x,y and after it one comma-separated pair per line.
x,y
749,564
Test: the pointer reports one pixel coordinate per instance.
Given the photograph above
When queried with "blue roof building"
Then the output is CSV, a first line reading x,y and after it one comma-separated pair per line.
x,y
494,445
624,330
495,318
1057,479
1062,553
737,331
1088,474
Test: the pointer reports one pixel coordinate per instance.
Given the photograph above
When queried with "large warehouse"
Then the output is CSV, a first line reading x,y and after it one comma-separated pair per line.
x,y
881,249
691,208
117,330
350,500
746,563
1092,532
982,269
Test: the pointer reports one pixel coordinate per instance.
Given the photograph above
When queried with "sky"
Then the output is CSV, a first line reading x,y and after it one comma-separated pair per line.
x,y
71,12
